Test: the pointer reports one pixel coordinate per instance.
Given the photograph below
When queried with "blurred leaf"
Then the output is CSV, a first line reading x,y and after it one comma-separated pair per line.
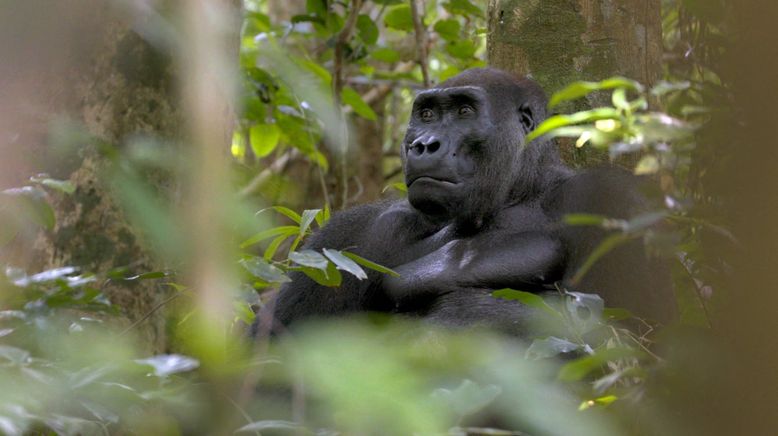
x,y
345,263
270,233
448,29
259,426
461,49
586,309
463,7
368,31
65,186
616,314
167,364
602,401
32,203
272,247
385,55
664,87
619,99
353,99
551,347
558,121
648,164
580,89
13,355
604,383
264,138
528,298
368,264
468,398
579,368
583,219
399,18
45,276
264,270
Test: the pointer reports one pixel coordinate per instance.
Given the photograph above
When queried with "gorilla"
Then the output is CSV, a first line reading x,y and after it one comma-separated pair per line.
x,y
484,211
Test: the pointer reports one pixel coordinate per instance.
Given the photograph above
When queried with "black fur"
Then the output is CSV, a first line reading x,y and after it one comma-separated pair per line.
x,y
484,212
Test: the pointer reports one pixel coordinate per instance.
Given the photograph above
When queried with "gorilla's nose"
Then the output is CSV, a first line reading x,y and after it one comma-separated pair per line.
x,y
424,146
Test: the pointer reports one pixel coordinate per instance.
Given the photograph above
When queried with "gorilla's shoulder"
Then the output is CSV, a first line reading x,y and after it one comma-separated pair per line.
x,y
607,190
348,227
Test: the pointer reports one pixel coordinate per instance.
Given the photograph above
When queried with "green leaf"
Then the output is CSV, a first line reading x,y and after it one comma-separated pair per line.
x,y
579,368
448,29
468,398
619,99
264,138
310,259
585,309
385,55
308,217
664,87
284,426
584,219
399,18
648,164
270,233
65,186
368,31
463,7
32,204
263,270
370,265
558,121
550,347
577,90
528,298
330,277
601,250
285,211
168,364
353,99
461,49
345,263
272,247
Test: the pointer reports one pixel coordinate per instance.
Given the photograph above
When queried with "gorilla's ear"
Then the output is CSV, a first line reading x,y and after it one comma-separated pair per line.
x,y
527,118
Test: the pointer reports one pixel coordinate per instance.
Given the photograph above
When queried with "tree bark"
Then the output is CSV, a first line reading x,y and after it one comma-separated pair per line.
x,y
557,42
83,60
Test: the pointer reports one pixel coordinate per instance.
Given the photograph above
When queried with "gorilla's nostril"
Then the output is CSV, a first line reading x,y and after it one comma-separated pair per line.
x,y
432,148
417,148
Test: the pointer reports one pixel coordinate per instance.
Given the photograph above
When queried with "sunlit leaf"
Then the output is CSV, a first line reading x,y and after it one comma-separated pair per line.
x,y
385,54
580,89
648,164
264,138
345,263
468,397
558,121
167,364
550,347
528,298
259,426
579,368
310,259
65,186
370,265
264,270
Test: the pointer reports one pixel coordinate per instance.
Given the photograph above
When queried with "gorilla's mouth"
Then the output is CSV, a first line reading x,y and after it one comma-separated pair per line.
x,y
439,180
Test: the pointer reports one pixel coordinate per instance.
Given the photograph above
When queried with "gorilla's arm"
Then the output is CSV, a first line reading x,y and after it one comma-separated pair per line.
x,y
493,260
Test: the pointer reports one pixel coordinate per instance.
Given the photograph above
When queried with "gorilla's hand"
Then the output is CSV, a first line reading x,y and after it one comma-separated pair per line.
x,y
493,261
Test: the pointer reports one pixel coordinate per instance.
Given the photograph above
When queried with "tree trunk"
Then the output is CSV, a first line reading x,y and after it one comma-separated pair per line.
x,y
557,42
90,66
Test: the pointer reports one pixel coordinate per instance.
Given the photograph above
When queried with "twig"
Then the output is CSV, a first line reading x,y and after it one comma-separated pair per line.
x,y
276,167
337,87
421,42
149,313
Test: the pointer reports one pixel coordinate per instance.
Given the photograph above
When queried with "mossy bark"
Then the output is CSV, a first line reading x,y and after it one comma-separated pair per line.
x,y
557,42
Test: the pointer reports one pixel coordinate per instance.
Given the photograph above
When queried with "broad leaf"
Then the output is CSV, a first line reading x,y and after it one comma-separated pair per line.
x,y
264,138
353,99
528,298
345,263
550,347
577,90
399,18
264,271
368,264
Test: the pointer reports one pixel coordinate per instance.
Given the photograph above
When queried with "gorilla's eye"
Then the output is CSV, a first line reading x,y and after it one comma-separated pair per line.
x,y
466,110
426,115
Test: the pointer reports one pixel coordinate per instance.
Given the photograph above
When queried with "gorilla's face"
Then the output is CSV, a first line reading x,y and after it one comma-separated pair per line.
x,y
447,134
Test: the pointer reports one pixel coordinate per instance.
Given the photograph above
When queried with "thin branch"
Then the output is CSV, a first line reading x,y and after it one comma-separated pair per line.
x,y
421,42
148,315
276,167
